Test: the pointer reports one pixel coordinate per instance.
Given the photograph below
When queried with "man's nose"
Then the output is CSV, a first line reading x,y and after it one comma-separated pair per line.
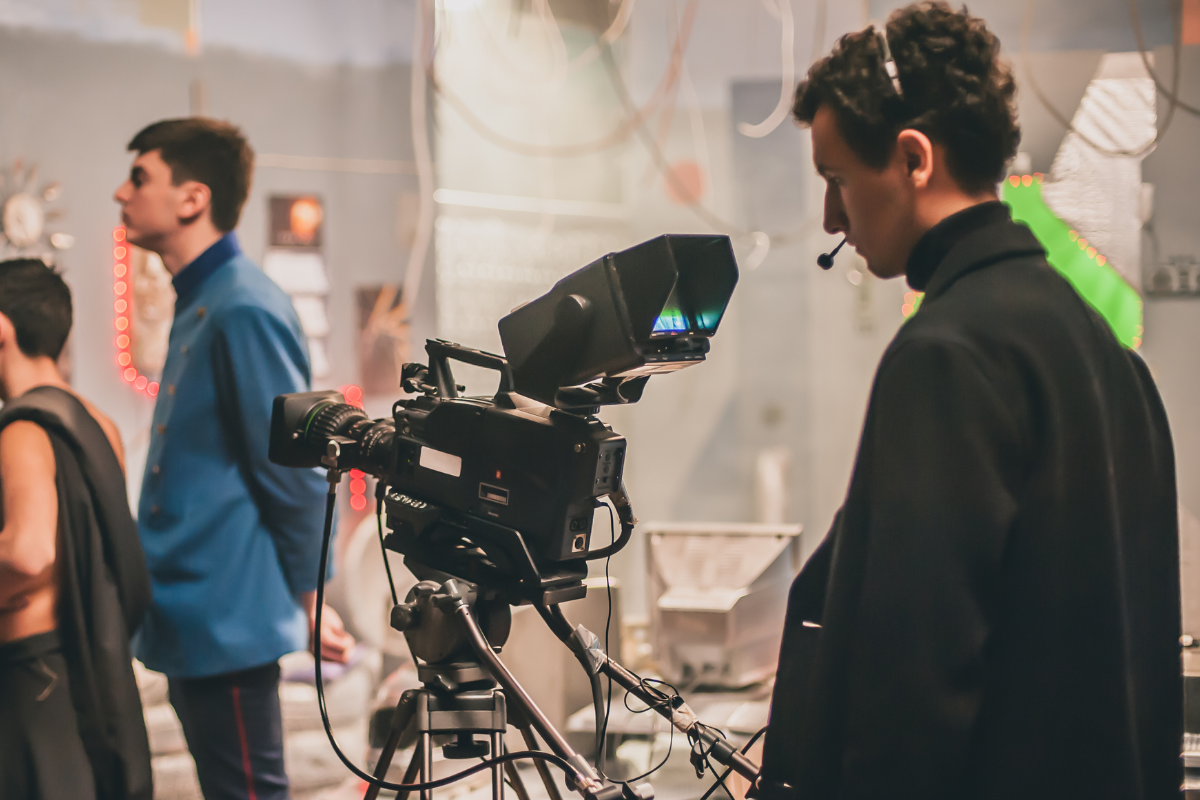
x,y
835,221
835,216
121,195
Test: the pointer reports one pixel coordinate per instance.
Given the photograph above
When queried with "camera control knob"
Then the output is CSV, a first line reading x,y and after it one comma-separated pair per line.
x,y
403,616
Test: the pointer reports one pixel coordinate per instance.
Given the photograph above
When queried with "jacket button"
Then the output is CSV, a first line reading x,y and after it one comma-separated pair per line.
x,y
154,509
156,469
161,429
170,388
182,349
200,312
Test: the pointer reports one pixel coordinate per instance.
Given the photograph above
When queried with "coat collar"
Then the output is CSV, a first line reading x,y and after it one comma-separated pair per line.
x,y
966,241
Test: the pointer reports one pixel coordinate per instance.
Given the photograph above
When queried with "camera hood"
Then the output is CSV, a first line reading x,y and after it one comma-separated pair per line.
x,y
624,317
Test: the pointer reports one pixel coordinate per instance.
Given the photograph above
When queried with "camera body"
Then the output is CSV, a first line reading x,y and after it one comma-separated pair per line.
x,y
508,460
508,485
512,461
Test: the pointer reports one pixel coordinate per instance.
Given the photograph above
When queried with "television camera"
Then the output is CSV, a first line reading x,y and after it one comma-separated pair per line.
x,y
491,500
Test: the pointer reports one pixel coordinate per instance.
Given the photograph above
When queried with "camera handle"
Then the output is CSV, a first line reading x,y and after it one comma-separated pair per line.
x,y
441,379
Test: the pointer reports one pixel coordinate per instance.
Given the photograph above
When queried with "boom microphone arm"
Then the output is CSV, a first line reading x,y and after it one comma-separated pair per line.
x,y
680,716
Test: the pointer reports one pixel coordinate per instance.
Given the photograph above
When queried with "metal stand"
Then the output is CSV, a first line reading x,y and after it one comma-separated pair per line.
x,y
461,698
443,708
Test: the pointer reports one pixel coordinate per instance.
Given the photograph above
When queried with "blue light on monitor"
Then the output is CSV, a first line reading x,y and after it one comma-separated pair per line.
x,y
670,321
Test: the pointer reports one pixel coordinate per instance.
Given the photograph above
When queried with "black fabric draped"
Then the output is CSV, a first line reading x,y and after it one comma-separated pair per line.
x,y
104,594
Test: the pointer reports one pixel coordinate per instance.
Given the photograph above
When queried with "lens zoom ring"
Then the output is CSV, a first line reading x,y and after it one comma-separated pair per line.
x,y
331,421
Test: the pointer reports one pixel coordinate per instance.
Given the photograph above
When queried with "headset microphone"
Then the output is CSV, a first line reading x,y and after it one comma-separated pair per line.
x,y
825,260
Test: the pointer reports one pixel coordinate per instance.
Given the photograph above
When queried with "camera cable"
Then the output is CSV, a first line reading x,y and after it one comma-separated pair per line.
x,y
380,491
572,774
647,684
650,686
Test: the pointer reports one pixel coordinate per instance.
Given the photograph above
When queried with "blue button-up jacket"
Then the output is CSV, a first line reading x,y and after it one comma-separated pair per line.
x,y
230,538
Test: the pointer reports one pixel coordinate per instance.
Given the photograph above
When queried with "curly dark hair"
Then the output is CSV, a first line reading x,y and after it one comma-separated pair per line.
x,y
955,89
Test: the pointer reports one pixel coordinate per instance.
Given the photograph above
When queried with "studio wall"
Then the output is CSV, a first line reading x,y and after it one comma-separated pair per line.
x,y
71,106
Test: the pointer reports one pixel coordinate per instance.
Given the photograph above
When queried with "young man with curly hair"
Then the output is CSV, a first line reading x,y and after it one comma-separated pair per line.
x,y
995,611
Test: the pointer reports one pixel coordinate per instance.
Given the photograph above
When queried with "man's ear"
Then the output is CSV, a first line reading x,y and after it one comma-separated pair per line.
x,y
8,341
195,198
8,333
917,151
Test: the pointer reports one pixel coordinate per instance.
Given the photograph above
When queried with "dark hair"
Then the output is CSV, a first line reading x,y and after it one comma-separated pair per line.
x,y
210,151
37,301
956,90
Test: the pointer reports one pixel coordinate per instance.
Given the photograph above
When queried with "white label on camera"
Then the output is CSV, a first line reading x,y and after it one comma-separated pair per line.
x,y
438,461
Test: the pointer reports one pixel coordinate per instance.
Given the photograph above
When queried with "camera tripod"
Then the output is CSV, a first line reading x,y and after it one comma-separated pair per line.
x,y
463,701
460,697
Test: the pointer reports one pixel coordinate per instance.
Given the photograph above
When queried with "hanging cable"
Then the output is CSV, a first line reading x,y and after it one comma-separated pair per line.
x,y
634,123
660,160
380,491
635,117
423,43
782,9
696,120
666,114
656,154
1027,25
1172,95
619,23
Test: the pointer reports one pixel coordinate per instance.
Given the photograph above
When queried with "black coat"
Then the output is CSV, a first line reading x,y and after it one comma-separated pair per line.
x,y
999,595
104,591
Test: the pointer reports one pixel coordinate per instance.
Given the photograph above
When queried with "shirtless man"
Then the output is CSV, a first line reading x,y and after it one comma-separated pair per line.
x,y
72,575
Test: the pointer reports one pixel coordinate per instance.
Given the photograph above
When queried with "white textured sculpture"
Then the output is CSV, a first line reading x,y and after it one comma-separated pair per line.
x,y
1098,193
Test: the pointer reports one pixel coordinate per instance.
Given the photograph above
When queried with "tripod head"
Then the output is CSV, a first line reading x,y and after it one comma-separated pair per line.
x,y
435,636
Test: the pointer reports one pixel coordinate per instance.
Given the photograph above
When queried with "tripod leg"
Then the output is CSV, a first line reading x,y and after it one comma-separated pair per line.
x,y
514,777
400,721
426,745
497,769
413,771
531,742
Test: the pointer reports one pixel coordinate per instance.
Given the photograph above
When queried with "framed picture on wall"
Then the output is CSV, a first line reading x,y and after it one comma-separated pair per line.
x,y
296,221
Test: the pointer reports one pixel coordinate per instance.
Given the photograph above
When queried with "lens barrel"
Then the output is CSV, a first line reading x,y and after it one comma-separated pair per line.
x,y
302,425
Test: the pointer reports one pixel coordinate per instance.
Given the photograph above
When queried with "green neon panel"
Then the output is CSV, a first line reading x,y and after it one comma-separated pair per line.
x,y
1099,284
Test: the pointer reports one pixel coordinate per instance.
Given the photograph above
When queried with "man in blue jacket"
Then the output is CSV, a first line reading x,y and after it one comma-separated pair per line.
x,y
232,541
